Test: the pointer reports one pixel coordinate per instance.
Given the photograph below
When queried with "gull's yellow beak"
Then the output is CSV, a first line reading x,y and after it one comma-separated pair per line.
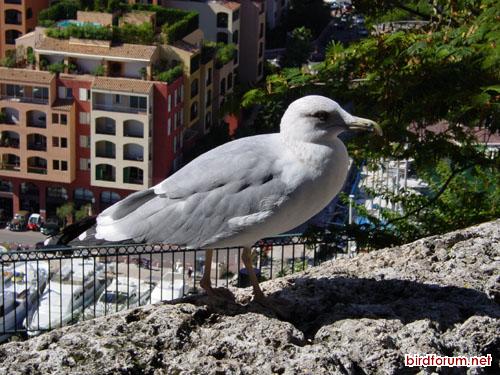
x,y
363,124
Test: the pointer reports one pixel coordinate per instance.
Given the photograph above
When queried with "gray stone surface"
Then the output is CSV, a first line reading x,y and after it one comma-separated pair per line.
x,y
351,316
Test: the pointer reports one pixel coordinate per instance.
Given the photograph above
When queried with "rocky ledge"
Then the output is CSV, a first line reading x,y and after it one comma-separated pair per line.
x,y
351,316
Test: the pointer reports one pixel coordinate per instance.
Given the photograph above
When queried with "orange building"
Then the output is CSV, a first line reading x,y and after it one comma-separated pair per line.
x,y
17,17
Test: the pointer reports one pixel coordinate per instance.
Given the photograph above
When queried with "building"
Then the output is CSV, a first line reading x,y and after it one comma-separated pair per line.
x,y
275,11
252,42
239,22
17,17
85,138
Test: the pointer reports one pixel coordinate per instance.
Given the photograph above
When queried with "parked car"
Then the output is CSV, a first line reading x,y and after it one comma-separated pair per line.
x,y
20,221
50,227
362,31
34,222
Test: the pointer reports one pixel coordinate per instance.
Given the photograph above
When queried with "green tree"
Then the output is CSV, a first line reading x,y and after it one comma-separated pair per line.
x,y
65,212
298,47
447,72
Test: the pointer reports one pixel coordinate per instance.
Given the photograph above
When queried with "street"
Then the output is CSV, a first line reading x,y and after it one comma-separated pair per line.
x,y
26,238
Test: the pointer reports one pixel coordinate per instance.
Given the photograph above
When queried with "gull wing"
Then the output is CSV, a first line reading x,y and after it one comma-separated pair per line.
x,y
221,193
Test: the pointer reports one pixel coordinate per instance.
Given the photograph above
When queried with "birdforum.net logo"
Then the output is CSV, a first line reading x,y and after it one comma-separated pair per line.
x,y
412,360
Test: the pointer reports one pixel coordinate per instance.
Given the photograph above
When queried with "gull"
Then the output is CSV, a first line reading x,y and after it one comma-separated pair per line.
x,y
242,191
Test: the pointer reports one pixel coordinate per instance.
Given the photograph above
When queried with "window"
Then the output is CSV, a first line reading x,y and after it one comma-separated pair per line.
x,y
64,119
176,115
175,144
109,197
55,118
29,13
117,99
261,30
65,92
209,77
179,119
169,126
195,63
64,165
64,142
194,111
175,97
222,19
236,15
139,102
230,81
261,49
55,142
235,37
55,165
209,98
84,118
223,86
84,141
194,88
169,103
235,60
208,120
84,164
84,94
260,68
222,38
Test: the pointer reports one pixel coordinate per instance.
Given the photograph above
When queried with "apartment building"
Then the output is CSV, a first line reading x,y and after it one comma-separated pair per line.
x,y
252,42
240,22
17,17
85,138
275,11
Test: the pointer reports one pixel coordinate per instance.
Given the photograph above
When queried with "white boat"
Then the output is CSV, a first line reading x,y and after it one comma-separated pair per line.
x,y
167,291
123,293
71,290
21,286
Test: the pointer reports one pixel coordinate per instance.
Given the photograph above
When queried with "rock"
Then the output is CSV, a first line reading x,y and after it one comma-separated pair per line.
x,y
438,295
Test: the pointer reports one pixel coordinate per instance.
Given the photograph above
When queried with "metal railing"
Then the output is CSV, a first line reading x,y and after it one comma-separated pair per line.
x,y
49,288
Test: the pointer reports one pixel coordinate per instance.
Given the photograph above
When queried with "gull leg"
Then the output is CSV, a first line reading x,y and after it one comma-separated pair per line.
x,y
246,256
205,282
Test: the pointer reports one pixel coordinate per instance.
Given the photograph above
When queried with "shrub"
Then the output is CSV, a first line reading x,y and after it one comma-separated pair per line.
x,y
86,31
135,34
225,53
65,9
99,71
9,61
170,75
56,67
30,56
181,28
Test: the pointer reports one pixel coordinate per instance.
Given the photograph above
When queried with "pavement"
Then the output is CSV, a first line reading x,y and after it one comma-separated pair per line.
x,y
25,238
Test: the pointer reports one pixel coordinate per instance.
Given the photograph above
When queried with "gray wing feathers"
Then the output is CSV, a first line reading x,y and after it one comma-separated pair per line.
x,y
214,197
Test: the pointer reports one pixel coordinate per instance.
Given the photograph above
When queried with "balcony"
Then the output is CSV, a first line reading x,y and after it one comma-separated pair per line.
x,y
13,17
9,139
133,175
105,149
10,162
9,116
133,128
105,172
37,165
36,119
105,125
18,93
133,151
119,103
37,142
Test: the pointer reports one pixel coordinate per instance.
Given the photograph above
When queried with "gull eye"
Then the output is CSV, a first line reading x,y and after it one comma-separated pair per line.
x,y
321,115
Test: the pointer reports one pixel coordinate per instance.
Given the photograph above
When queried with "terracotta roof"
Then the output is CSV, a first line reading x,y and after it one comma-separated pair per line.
x,y
129,51
136,86
64,105
25,76
231,5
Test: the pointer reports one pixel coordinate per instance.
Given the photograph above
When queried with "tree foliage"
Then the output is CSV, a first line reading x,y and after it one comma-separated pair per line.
x,y
448,73
298,47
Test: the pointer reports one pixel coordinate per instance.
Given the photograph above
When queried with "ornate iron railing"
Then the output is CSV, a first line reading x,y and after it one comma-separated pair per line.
x,y
48,288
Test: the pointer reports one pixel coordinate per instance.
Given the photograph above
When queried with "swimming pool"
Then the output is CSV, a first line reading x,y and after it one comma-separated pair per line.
x,y
66,23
